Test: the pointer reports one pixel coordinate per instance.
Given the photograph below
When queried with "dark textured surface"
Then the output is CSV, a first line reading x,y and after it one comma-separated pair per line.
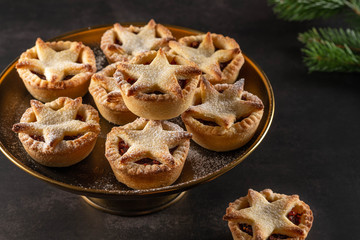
x,y
311,148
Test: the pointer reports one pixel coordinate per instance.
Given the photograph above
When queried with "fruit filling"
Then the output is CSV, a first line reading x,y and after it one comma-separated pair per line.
x,y
117,41
182,83
239,119
147,161
131,80
155,92
123,147
207,123
68,77
172,150
277,236
41,76
224,65
80,118
195,44
70,138
246,228
294,217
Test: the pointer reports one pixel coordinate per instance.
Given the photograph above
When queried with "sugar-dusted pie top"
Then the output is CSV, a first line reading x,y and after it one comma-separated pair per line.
x,y
137,40
217,56
57,61
226,106
107,89
57,119
150,141
159,75
265,214
123,43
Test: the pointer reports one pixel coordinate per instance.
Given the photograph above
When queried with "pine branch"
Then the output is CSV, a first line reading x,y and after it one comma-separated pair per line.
x,y
300,10
330,50
339,37
354,5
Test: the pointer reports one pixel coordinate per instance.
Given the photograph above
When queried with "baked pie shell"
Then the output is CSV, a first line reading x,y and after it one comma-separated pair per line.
x,y
159,107
218,138
115,112
139,176
112,50
233,224
231,71
46,91
67,152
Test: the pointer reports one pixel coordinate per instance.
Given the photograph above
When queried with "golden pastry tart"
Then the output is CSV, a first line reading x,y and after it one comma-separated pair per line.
x,y
123,43
106,93
54,69
156,85
147,153
269,216
59,133
224,117
219,57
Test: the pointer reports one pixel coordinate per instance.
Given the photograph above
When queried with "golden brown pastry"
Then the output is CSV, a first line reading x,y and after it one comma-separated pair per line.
x,y
156,85
269,216
217,56
224,117
54,69
146,153
123,43
106,93
59,133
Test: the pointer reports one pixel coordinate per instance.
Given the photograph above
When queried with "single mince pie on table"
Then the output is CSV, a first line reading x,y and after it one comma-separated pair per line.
x,y
157,85
224,117
147,153
59,133
106,93
54,69
267,215
123,43
218,57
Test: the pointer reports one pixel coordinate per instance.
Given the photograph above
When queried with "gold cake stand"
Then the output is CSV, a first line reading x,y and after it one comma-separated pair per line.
x,y
93,178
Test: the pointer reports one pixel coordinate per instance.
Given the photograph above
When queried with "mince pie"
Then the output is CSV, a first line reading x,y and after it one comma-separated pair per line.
x,y
157,85
54,69
107,97
147,153
217,56
59,133
269,216
224,117
123,43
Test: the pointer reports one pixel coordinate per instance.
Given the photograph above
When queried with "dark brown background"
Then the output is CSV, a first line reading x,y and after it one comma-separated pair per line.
x,y
311,148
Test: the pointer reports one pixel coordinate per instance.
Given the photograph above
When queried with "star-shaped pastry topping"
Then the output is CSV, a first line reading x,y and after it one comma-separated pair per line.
x,y
206,56
267,217
53,124
151,142
224,107
134,43
108,82
55,65
159,75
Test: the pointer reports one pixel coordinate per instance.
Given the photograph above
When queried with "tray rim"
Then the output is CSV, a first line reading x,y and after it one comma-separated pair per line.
x,y
155,191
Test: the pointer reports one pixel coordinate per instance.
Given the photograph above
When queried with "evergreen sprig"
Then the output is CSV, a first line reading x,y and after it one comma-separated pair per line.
x,y
301,10
329,50
326,49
